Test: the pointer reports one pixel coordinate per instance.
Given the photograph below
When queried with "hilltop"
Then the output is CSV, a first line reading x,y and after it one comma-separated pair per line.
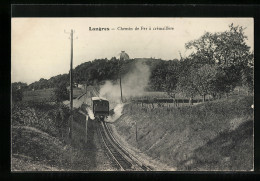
x,y
92,72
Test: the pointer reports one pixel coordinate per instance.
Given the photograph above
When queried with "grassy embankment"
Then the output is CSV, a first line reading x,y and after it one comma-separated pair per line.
x,y
39,139
39,135
216,135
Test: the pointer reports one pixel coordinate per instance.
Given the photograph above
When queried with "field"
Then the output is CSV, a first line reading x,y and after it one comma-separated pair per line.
x,y
46,95
180,99
216,135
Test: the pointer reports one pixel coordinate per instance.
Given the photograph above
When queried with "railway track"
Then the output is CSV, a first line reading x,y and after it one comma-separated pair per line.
x,y
122,158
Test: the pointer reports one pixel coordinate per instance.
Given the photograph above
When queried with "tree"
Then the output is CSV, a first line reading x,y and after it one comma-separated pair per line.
x,y
247,78
229,52
223,48
186,84
158,77
171,79
17,91
17,95
61,92
204,79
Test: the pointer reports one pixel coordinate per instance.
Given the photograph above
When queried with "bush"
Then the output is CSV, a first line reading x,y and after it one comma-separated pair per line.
x,y
61,93
51,119
17,95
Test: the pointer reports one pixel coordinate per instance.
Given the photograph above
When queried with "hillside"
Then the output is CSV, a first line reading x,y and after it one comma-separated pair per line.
x,y
40,141
34,150
216,135
94,72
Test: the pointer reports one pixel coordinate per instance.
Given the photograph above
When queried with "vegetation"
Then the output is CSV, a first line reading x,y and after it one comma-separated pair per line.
x,y
39,131
61,92
40,140
17,95
219,62
34,150
46,117
17,91
216,135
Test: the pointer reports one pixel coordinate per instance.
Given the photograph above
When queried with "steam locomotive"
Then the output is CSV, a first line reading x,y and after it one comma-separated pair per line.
x,y
100,107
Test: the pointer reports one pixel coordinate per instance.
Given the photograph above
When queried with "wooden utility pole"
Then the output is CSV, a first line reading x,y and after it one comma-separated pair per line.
x,y
120,85
71,82
123,56
71,74
136,131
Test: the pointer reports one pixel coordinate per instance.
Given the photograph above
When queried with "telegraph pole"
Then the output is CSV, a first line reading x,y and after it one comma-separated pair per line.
x,y
71,82
136,131
71,74
123,56
120,83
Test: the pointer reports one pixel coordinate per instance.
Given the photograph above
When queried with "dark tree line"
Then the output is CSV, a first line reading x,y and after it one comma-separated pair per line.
x,y
94,72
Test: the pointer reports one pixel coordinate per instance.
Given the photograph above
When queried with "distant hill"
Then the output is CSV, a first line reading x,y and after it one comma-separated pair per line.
x,y
95,72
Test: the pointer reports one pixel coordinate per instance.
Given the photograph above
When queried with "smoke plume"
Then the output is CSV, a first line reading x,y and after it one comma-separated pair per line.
x,y
133,84
90,113
118,112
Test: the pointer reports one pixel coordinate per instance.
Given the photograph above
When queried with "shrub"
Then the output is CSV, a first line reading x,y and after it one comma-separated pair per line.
x,y
46,117
61,93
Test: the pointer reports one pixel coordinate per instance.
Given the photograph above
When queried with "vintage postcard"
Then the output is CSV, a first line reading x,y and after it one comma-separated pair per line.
x,y
132,94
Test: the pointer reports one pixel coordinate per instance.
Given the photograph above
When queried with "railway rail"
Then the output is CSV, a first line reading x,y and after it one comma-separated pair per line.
x,y
123,159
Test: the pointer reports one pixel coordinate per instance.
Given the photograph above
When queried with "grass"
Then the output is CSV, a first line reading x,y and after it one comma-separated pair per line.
x,y
50,118
34,150
40,139
175,135
162,95
228,151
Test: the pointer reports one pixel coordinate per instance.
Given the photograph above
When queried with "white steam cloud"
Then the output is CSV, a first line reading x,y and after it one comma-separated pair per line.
x,y
90,113
133,83
118,112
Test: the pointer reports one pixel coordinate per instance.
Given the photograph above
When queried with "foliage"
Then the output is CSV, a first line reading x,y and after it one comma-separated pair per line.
x,y
218,63
19,85
205,79
61,93
226,59
247,78
224,48
17,95
46,117
186,84
51,83
17,91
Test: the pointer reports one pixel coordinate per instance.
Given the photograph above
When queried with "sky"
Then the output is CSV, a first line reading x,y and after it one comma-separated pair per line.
x,y
40,47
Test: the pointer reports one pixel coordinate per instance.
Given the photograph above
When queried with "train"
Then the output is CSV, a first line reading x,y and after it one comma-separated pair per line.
x,y
100,107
